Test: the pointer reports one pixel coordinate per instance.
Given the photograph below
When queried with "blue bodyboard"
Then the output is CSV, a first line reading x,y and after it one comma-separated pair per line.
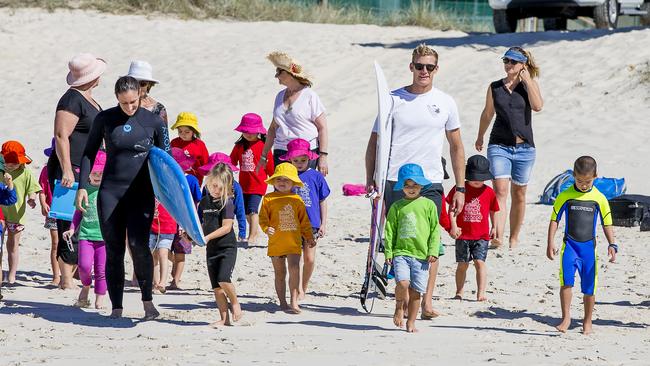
x,y
63,198
172,190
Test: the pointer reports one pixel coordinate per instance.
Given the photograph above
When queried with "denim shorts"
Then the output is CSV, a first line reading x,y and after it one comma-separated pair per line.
x,y
252,203
411,269
160,241
512,162
471,250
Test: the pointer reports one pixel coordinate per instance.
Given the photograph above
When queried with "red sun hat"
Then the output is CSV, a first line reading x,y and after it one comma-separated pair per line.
x,y
215,159
251,123
14,153
298,147
184,160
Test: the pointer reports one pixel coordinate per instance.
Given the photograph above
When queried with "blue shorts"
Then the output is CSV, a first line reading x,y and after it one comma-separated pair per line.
x,y
581,257
411,269
471,250
252,203
160,241
512,162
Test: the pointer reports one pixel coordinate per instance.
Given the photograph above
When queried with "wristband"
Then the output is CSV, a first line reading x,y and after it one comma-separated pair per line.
x,y
460,189
614,246
323,153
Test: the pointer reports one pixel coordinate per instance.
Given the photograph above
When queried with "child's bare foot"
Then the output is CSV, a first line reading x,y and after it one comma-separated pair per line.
x,y
218,324
429,314
116,314
173,286
237,313
513,243
99,302
150,311
293,309
564,325
55,282
410,328
458,297
398,317
481,297
252,239
301,294
587,329
82,303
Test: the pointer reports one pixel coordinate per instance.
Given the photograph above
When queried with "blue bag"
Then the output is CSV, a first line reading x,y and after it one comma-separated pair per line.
x,y
610,187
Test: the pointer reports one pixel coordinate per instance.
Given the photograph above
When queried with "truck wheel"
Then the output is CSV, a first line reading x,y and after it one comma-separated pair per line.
x,y
503,21
645,19
606,15
555,24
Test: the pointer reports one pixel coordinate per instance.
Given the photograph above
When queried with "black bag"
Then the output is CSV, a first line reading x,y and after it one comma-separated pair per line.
x,y
631,210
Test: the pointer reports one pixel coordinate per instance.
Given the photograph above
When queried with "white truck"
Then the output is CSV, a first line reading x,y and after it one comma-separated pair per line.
x,y
555,13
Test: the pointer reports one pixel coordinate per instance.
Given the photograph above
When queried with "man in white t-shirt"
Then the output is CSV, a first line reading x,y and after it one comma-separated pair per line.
x,y
422,117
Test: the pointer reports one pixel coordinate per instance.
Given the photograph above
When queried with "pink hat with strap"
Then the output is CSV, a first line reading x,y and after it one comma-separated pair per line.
x,y
215,159
84,68
251,123
185,161
298,147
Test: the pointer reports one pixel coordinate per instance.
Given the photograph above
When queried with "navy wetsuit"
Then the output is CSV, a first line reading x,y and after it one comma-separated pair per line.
x,y
126,200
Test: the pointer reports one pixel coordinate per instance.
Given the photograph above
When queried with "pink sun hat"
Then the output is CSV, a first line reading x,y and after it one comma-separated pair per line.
x,y
298,147
84,68
251,123
100,162
215,159
182,159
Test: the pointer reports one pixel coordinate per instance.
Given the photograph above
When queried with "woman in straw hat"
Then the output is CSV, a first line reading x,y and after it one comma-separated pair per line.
x,y
143,73
74,117
298,113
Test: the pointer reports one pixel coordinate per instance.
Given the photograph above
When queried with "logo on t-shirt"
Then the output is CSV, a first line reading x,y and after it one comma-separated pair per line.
x,y
433,109
408,226
127,128
287,219
473,211
304,194
247,161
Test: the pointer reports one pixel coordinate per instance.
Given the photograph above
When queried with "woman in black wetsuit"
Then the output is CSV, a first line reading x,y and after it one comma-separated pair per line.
x,y
126,200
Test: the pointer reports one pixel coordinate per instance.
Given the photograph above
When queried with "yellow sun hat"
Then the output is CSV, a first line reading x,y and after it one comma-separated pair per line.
x,y
187,119
288,171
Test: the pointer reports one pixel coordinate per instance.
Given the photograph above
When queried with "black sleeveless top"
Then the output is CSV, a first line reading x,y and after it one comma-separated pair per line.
x,y
513,115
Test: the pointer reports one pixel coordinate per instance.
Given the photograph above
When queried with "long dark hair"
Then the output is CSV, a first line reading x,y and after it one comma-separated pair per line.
x,y
243,141
126,83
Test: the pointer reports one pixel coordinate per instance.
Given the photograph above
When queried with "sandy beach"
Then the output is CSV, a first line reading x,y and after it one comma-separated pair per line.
x,y
595,104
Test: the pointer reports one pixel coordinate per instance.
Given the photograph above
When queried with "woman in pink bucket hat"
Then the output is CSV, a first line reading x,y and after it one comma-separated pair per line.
x,y
74,117
247,153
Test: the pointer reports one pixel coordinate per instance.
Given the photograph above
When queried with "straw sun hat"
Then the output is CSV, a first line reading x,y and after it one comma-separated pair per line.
x,y
283,61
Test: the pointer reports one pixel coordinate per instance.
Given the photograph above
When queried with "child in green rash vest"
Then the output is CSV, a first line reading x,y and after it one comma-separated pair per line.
x,y
412,241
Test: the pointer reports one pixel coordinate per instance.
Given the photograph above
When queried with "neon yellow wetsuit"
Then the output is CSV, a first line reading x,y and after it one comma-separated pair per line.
x,y
582,211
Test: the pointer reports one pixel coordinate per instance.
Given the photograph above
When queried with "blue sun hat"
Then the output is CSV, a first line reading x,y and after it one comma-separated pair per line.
x,y
413,172
515,55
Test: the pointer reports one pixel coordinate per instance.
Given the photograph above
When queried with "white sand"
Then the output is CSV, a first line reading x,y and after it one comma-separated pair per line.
x,y
593,105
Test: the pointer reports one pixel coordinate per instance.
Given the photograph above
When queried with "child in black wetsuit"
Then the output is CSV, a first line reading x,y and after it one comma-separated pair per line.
x,y
217,213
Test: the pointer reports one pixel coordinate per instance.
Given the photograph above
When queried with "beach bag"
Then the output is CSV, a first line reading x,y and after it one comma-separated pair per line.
x,y
609,187
354,190
631,210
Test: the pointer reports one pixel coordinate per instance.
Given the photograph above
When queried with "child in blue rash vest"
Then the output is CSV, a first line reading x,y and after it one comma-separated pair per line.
x,y
583,205
7,198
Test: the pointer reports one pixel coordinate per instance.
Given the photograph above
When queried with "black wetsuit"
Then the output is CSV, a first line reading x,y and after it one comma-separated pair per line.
x,y
126,199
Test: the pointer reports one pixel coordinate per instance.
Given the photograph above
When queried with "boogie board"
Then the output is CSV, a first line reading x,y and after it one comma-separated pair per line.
x,y
63,201
172,190
375,279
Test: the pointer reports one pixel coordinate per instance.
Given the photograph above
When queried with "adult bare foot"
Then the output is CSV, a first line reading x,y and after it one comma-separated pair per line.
x,y
398,317
429,314
410,328
237,313
495,244
116,314
513,243
284,306
293,309
173,286
218,324
150,311
564,325
301,295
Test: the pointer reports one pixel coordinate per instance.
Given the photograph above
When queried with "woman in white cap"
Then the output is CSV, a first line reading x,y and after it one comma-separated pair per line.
x,y
298,113
74,117
143,73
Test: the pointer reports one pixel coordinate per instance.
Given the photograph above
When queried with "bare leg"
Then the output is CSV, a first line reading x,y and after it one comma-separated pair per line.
x,y
401,291
12,255
67,271
134,278
517,212
309,261
177,270
231,293
501,189
222,305
414,306
280,269
163,264
254,220
481,280
56,272
565,303
427,304
293,262
82,300
461,275
590,301
156,270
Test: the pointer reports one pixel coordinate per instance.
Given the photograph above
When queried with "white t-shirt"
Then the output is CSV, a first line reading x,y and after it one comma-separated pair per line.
x,y
419,125
299,120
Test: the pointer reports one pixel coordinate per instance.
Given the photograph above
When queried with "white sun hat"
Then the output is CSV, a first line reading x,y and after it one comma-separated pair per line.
x,y
141,71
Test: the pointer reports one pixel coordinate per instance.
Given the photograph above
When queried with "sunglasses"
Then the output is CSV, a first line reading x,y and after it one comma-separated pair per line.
x,y
419,67
507,61
278,71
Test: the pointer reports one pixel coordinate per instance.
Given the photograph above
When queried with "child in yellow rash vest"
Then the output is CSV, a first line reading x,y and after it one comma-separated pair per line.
x,y
284,219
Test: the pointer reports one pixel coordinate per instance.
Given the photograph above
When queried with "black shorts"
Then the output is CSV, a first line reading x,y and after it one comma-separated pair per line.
x,y
221,263
68,253
252,203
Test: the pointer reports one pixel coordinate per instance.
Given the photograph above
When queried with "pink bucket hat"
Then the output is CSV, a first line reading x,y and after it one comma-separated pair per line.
x,y
182,159
100,162
251,123
298,147
84,68
215,159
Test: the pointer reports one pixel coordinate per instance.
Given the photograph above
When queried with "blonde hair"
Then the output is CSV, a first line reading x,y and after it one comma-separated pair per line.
x,y
222,175
302,81
533,69
423,50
